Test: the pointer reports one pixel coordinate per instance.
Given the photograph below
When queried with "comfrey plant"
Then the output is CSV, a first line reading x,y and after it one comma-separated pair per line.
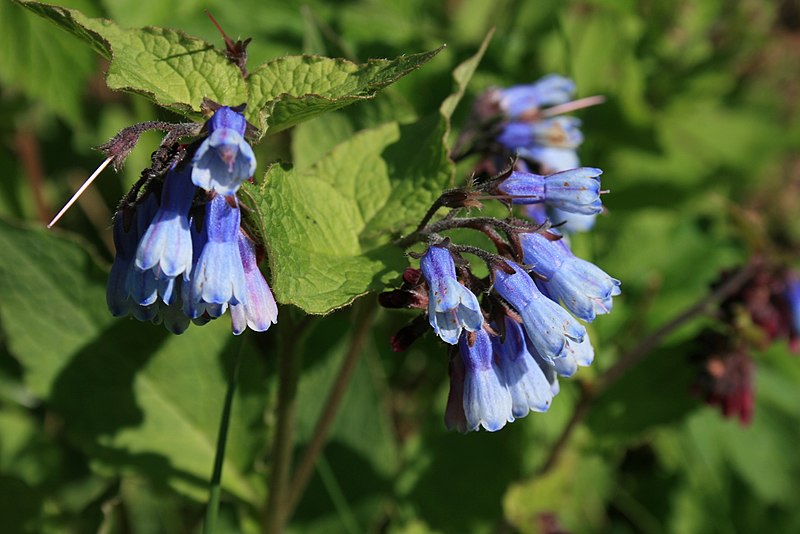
x,y
182,254
515,331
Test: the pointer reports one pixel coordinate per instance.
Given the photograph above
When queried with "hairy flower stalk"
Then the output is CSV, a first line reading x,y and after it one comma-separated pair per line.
x,y
182,254
512,333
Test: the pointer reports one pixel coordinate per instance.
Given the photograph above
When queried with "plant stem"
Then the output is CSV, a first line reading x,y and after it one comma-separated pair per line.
x,y
639,352
216,477
288,376
364,313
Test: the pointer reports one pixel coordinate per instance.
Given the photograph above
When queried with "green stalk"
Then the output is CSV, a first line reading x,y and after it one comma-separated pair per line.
x,y
212,511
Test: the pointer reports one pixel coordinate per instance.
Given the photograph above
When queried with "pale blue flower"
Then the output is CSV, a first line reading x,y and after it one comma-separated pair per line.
x,y
224,159
582,287
451,306
166,246
527,384
487,401
548,325
217,278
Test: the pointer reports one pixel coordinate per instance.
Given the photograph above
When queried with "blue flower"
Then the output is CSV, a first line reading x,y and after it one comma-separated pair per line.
x,y
550,90
130,290
527,384
487,401
576,190
259,310
548,325
166,246
558,132
582,287
451,306
217,278
224,159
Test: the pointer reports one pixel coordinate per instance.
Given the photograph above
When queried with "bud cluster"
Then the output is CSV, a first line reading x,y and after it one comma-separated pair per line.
x,y
515,331
182,254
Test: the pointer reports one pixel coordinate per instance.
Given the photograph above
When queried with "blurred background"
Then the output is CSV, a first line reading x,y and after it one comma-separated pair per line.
x,y
110,425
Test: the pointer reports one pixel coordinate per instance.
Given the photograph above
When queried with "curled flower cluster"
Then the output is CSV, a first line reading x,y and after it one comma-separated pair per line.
x,y
181,253
525,330
515,331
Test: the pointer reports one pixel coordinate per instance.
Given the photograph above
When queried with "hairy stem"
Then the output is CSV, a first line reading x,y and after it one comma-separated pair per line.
x,y
364,313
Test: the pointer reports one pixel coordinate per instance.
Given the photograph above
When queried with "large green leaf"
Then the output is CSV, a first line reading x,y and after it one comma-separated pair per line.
x,y
328,227
291,89
134,397
168,66
177,71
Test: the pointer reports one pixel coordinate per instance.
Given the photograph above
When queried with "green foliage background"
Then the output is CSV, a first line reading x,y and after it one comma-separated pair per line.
x,y
110,425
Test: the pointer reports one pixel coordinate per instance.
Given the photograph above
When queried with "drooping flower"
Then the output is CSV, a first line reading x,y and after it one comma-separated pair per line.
x,y
548,325
259,310
582,287
525,380
575,190
224,159
166,246
487,401
451,306
217,278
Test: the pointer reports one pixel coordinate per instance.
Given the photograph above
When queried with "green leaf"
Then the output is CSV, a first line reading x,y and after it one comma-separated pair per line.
x,y
177,71
327,227
462,74
134,397
169,67
288,90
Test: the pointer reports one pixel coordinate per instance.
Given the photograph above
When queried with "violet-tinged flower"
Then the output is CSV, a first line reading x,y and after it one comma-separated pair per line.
x,y
548,325
218,278
224,159
527,384
559,132
487,402
166,246
451,306
259,310
550,90
575,190
582,287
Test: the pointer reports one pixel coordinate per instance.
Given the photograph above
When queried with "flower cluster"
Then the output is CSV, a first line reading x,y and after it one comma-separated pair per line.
x,y
525,330
514,332
182,254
